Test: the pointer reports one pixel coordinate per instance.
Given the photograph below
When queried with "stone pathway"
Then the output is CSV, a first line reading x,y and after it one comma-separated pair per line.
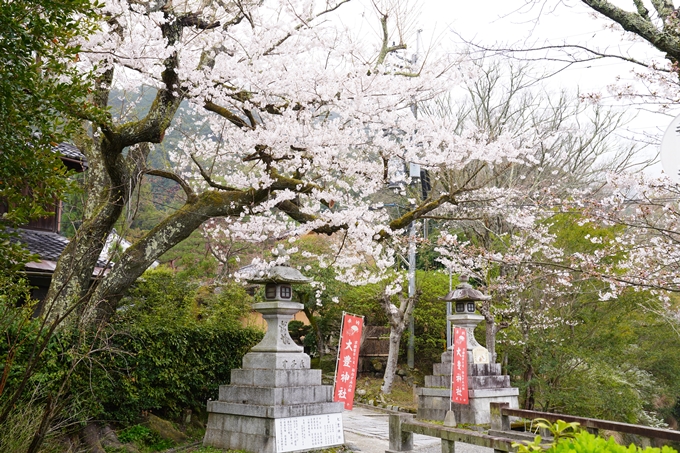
x,y
366,431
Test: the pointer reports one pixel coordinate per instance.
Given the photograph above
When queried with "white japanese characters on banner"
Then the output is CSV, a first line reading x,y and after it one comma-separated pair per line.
x,y
309,432
348,360
459,375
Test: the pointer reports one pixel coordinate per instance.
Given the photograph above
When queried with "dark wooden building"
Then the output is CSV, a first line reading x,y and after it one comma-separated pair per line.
x,y
42,236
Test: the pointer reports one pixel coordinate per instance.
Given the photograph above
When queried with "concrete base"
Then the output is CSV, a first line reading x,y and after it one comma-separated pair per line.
x,y
433,404
485,385
270,386
240,432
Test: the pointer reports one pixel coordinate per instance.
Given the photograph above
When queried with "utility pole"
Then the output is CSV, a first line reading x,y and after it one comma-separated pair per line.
x,y
410,350
448,313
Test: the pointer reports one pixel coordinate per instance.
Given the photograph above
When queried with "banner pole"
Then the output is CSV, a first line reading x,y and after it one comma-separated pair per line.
x,y
337,354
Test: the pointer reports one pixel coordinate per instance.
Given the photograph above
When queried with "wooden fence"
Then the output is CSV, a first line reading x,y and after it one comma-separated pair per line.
x,y
501,437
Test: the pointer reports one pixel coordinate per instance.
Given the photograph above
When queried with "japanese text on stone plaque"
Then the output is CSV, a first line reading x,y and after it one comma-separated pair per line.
x,y
310,432
348,360
459,378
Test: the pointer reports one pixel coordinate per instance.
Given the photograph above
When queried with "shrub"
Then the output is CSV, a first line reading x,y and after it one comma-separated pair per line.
x,y
167,368
570,438
584,442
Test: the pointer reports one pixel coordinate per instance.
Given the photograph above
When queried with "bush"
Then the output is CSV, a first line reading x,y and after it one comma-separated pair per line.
x,y
584,442
167,368
570,438
170,348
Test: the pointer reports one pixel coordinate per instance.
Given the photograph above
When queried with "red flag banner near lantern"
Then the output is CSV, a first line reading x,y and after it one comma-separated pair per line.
x,y
459,377
348,360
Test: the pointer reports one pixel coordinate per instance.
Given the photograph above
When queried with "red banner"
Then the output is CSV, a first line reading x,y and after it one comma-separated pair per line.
x,y
459,378
348,360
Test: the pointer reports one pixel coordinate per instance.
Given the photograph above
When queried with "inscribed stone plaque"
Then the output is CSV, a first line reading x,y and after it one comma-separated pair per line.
x,y
480,355
310,432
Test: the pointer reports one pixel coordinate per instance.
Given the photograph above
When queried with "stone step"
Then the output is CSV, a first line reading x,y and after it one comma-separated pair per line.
x,y
484,369
275,396
431,414
437,381
276,378
488,382
474,382
261,411
276,360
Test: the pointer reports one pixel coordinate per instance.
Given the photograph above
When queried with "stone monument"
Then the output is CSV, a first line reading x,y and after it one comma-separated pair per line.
x,y
275,402
485,382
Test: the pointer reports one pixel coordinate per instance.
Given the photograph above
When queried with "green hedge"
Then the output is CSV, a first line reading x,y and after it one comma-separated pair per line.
x,y
169,368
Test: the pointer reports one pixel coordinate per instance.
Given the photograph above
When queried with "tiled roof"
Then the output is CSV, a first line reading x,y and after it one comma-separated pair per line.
x,y
48,246
71,152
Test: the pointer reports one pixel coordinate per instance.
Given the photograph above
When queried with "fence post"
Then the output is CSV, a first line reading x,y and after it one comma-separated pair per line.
x,y
400,440
499,422
448,446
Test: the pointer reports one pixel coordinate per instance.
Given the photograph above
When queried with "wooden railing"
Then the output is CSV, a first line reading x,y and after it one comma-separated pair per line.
x,y
501,413
403,427
500,437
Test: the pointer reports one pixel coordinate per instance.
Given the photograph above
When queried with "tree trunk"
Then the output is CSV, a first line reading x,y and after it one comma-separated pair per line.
x,y
398,318
529,401
392,358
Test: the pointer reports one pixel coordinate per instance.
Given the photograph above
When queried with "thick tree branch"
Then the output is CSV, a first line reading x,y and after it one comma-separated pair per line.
x,y
386,49
227,114
419,211
664,8
293,211
635,23
642,10
191,195
172,230
208,178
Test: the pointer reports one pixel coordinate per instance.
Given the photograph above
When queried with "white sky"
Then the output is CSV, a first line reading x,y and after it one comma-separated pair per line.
x,y
514,24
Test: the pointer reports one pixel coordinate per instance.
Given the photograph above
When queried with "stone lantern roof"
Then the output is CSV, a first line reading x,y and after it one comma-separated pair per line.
x,y
464,292
281,274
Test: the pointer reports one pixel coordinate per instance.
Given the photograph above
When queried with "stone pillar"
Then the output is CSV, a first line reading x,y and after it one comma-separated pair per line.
x,y
275,402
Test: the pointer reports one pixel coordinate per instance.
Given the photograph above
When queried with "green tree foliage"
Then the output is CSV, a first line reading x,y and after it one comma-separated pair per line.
x,y
430,318
169,348
39,89
610,360
192,257
175,343
162,296
167,368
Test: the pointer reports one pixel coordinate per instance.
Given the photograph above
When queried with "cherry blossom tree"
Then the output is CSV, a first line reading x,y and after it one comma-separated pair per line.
x,y
303,116
500,234
304,120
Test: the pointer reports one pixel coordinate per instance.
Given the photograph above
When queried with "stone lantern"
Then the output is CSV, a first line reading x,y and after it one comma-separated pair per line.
x,y
464,301
275,402
277,310
485,382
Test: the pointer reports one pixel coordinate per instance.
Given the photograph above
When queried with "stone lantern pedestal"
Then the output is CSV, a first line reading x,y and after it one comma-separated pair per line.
x,y
275,402
486,384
